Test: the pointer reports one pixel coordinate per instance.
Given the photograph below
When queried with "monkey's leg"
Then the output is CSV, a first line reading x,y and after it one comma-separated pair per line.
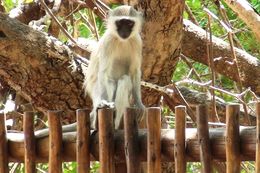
x,y
102,97
136,93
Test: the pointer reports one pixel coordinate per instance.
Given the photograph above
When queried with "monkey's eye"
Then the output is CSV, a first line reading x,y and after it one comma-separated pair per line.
x,y
125,23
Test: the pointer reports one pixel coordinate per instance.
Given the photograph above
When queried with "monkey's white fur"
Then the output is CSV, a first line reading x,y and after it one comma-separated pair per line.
x,y
114,72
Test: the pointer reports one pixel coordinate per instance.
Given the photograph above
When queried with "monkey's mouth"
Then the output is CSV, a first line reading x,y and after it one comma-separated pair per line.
x,y
124,35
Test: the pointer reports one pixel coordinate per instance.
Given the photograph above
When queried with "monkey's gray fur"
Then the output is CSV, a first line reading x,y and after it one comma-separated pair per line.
x,y
114,72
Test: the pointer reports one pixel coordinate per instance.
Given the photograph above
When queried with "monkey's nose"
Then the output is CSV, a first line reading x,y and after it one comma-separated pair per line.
x,y
124,35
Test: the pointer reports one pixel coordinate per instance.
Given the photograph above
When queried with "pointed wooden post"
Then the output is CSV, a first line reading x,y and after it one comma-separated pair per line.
x,y
203,138
106,140
29,142
55,142
83,140
257,161
154,140
232,138
3,146
179,142
131,140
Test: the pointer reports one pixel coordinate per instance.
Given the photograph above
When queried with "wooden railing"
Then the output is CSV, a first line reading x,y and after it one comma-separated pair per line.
x,y
132,146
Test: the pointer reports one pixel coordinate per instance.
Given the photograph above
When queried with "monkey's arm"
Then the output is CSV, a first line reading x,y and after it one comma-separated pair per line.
x,y
137,89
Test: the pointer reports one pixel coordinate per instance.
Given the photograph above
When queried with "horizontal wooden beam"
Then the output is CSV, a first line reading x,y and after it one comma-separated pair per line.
x,y
217,145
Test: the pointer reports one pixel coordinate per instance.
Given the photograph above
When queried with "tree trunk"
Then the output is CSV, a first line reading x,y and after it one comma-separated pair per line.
x,y
162,35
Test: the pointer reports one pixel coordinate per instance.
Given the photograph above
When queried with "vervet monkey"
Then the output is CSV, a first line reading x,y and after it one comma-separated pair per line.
x,y
114,73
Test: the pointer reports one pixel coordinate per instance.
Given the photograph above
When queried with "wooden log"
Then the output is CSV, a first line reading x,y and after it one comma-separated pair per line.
x,y
55,142
131,140
3,146
106,140
83,141
257,161
154,140
203,138
232,138
217,141
179,142
29,142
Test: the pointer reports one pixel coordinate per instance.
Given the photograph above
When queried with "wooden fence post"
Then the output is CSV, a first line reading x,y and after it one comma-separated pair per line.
x,y
106,140
131,140
29,142
55,142
83,141
203,138
3,146
232,138
257,161
154,140
179,142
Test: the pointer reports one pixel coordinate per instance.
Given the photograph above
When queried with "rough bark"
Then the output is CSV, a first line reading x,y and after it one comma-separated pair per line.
x,y
36,66
194,46
245,12
162,35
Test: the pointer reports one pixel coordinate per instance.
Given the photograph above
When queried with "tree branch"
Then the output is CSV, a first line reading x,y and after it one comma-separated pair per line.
x,y
245,12
37,67
194,42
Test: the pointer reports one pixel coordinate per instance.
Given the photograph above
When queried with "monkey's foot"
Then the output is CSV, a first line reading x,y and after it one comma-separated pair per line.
x,y
106,104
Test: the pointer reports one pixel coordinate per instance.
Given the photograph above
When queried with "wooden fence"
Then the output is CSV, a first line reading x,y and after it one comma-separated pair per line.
x,y
132,146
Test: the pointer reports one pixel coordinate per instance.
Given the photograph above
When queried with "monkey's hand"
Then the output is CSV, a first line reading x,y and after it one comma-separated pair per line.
x,y
106,104
93,114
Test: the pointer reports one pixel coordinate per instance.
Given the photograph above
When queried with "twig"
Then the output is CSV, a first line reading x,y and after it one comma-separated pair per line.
x,y
224,16
185,59
230,37
168,91
87,22
72,12
60,25
211,64
191,16
95,24
56,20
208,84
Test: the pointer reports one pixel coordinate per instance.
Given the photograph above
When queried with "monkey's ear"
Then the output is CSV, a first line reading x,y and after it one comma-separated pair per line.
x,y
139,12
108,13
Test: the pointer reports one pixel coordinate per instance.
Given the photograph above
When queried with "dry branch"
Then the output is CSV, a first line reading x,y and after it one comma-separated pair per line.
x,y
194,42
245,11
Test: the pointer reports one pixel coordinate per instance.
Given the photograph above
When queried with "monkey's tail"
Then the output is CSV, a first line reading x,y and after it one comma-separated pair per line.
x,y
123,91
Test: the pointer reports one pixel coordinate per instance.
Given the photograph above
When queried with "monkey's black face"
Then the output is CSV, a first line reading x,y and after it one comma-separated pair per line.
x,y
124,27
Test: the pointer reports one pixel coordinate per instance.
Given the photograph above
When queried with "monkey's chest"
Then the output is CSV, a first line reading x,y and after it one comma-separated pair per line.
x,y
119,68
